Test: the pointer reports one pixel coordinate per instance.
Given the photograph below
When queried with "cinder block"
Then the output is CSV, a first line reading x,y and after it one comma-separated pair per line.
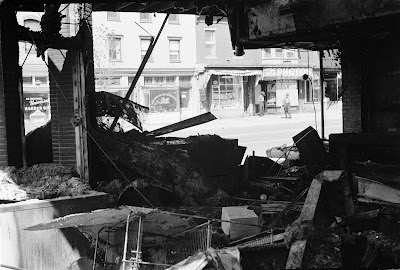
x,y
245,222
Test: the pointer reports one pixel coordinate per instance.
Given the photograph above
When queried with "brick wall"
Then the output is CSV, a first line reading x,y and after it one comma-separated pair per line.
x,y
10,110
61,63
352,86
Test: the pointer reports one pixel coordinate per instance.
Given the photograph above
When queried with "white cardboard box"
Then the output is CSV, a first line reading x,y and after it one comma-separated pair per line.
x,y
242,215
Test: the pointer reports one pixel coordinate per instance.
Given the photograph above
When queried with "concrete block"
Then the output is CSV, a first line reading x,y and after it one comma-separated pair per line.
x,y
244,222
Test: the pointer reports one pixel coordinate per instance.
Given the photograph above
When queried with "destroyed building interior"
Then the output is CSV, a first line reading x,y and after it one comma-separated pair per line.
x,y
81,193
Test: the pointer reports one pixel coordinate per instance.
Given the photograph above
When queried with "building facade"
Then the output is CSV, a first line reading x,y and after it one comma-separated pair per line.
x,y
165,86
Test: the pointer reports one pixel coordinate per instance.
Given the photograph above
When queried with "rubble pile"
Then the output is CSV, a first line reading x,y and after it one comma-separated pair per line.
x,y
40,181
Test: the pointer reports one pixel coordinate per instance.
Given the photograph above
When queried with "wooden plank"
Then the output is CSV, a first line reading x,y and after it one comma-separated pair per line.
x,y
296,254
310,204
273,178
377,191
194,121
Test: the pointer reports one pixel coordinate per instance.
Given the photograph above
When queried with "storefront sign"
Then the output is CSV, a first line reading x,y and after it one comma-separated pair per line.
x,y
285,73
36,106
163,101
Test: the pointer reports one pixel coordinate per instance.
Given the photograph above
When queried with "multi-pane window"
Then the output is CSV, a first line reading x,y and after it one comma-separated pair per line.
x,y
160,80
33,25
174,50
112,16
144,45
173,18
145,17
115,48
227,92
210,43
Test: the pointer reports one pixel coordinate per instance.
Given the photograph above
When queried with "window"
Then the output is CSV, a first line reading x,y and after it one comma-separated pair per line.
x,y
27,80
174,50
33,25
115,81
40,80
210,43
112,16
148,80
145,17
130,80
115,48
278,53
266,53
144,45
173,18
184,79
170,80
227,92
159,80
291,53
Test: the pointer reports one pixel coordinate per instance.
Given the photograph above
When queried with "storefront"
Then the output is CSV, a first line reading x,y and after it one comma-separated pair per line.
x,y
279,81
228,92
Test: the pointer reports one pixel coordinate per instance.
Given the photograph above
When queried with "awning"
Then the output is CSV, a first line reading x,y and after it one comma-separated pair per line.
x,y
285,73
235,72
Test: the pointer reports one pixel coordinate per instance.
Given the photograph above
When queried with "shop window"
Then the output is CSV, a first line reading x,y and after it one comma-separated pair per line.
x,y
271,94
163,100
112,16
227,92
144,45
210,43
145,17
266,53
174,50
312,93
115,48
173,19
278,53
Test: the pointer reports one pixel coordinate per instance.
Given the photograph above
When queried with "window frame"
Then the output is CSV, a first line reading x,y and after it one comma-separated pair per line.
x,y
176,39
143,51
213,43
115,19
145,20
113,38
177,21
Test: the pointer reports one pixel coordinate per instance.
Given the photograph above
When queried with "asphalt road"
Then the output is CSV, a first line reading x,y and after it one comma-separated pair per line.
x,y
260,137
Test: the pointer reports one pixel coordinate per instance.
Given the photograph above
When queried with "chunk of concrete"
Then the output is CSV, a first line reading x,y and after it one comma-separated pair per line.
x,y
239,222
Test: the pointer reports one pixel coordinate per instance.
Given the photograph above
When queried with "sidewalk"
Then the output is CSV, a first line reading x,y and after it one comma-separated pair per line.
x,y
334,112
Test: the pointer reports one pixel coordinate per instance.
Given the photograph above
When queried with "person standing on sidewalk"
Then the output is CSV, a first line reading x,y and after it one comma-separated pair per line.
x,y
286,106
261,103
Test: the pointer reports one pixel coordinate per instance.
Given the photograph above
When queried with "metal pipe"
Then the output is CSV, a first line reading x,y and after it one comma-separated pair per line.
x,y
321,80
95,250
139,72
126,242
209,234
139,239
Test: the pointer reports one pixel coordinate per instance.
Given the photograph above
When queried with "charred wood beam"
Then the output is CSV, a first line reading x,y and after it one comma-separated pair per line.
x,y
43,43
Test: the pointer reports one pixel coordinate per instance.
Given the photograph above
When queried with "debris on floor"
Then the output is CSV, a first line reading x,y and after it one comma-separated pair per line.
x,y
40,181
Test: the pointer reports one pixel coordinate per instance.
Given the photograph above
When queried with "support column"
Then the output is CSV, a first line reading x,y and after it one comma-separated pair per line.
x,y
61,67
10,111
352,85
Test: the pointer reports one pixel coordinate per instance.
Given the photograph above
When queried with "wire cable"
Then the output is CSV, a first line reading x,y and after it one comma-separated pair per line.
x,y
26,57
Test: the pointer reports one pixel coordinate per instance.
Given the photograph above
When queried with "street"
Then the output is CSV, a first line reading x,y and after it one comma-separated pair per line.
x,y
261,133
